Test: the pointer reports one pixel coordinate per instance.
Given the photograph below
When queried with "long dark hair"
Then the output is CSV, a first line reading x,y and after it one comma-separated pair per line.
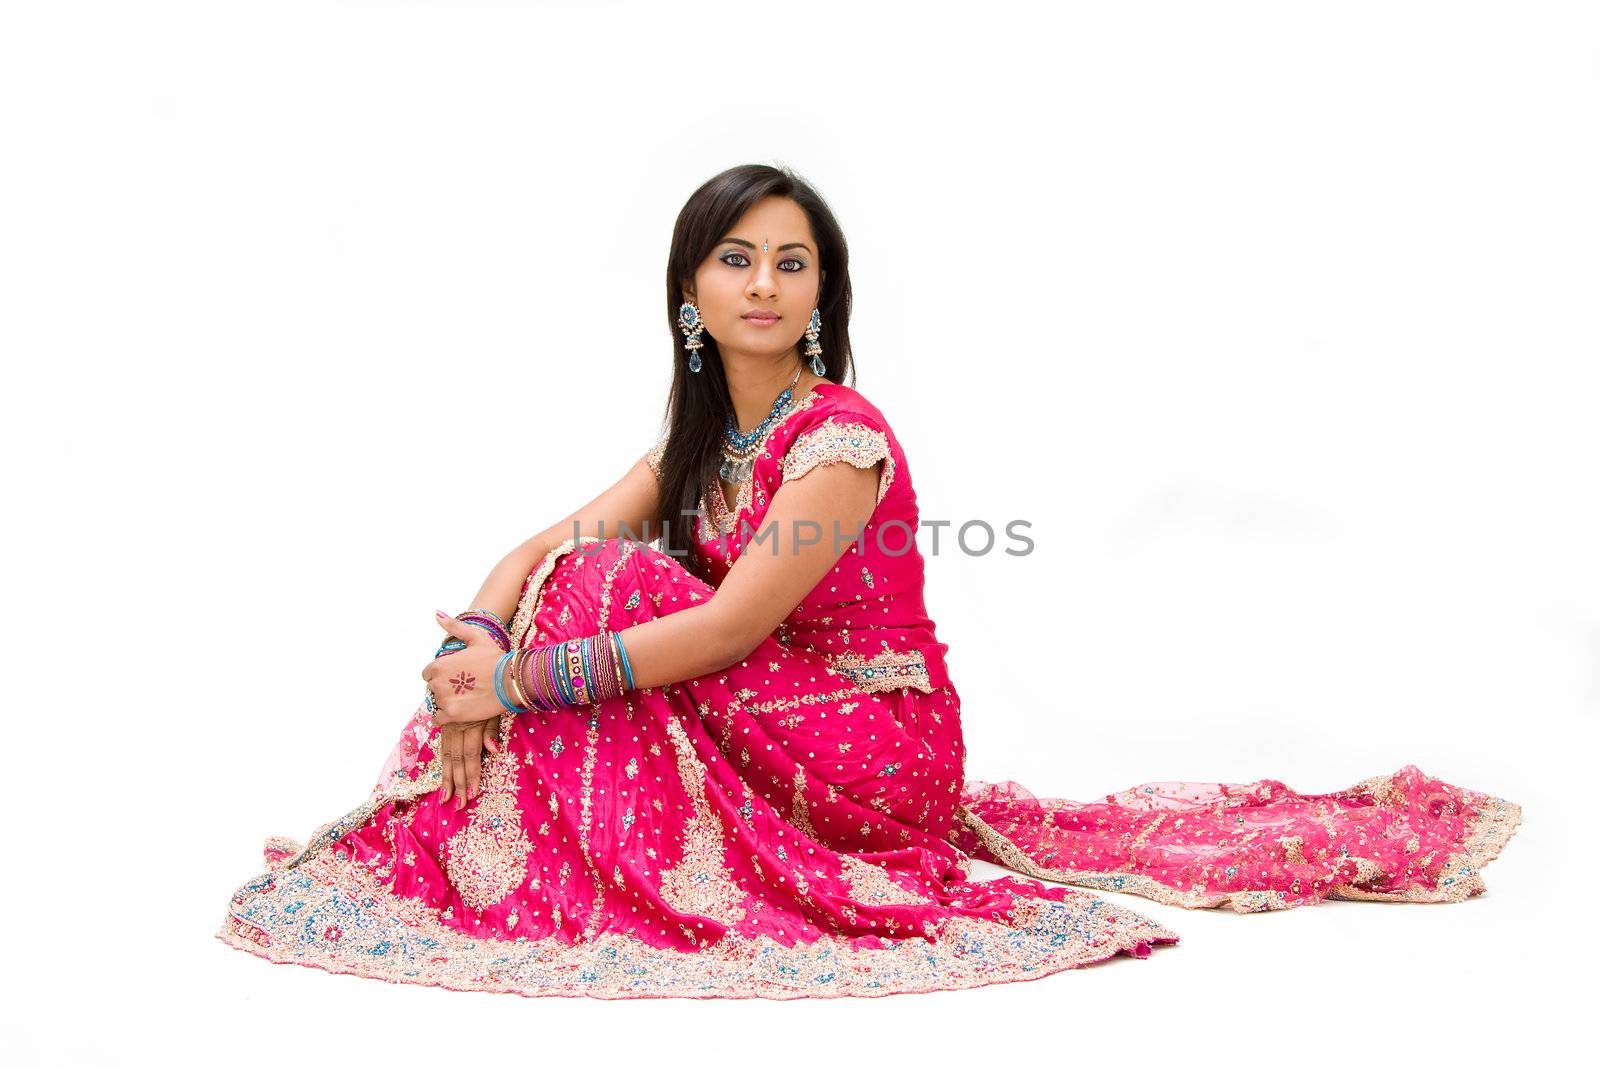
x,y
698,405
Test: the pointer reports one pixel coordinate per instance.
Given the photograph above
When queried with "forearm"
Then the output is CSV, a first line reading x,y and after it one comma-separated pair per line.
x,y
683,645
665,650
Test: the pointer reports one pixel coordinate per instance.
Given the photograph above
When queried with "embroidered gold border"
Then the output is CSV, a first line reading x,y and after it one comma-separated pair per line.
x,y
888,669
834,442
401,940
1493,828
528,603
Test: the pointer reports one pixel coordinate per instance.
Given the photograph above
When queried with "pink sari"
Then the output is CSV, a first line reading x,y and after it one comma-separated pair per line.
x,y
799,824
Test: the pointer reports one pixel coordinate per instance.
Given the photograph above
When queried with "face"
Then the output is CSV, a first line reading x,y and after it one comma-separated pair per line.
x,y
767,265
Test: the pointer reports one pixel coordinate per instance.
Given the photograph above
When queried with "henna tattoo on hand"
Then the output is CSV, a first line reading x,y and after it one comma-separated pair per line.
x,y
463,682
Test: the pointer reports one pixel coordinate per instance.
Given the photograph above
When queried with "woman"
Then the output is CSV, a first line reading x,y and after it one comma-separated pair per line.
x,y
730,763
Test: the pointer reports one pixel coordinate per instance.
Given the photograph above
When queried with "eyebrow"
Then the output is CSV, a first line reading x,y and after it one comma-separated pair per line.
x,y
751,245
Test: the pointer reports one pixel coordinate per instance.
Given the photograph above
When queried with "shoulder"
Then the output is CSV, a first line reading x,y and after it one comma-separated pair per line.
x,y
836,425
832,404
655,455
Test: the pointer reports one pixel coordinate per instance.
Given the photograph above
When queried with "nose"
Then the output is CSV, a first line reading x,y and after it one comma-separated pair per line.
x,y
764,279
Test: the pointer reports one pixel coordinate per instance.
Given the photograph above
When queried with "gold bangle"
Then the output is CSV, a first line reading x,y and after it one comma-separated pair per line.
x,y
616,663
514,682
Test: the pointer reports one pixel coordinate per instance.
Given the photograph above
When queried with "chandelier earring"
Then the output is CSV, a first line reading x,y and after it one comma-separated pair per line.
x,y
690,323
814,346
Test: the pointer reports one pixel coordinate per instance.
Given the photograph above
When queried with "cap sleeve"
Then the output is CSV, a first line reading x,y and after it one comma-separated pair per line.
x,y
653,457
852,437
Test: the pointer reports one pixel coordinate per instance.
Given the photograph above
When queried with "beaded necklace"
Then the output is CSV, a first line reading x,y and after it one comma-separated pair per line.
x,y
739,449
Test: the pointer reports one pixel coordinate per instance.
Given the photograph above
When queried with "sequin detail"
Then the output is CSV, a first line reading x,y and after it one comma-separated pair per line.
x,y
488,857
336,915
836,441
1050,838
699,884
888,669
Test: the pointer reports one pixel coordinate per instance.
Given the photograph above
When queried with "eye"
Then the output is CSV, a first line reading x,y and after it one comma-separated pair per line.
x,y
729,257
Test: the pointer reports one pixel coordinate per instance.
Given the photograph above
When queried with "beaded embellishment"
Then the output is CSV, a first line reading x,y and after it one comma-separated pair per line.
x,y
836,442
888,669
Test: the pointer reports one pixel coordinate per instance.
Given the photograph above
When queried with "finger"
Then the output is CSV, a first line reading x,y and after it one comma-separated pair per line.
x,y
442,715
454,762
472,760
447,781
455,627
459,769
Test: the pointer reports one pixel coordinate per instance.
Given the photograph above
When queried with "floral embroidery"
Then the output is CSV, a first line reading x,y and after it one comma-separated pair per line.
x,y
840,442
766,707
591,739
398,939
1491,824
699,884
886,670
488,857
800,815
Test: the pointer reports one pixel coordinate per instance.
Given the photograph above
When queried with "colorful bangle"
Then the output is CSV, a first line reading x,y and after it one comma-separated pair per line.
x,y
622,654
607,671
605,667
550,672
532,682
486,613
499,684
558,671
564,674
574,672
489,626
514,684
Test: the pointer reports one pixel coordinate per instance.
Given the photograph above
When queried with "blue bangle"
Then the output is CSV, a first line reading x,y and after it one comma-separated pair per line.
x,y
486,629
499,689
627,669
587,647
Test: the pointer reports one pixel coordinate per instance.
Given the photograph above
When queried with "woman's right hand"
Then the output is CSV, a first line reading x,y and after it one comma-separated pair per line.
x,y
461,749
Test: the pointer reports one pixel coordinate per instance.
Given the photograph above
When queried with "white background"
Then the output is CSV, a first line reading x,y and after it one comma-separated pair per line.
x,y
1276,320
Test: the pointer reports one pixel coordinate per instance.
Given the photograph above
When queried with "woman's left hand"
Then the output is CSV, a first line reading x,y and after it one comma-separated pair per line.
x,y
462,683
461,748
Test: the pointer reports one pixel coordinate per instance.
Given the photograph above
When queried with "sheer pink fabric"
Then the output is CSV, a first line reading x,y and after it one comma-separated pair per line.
x,y
798,824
